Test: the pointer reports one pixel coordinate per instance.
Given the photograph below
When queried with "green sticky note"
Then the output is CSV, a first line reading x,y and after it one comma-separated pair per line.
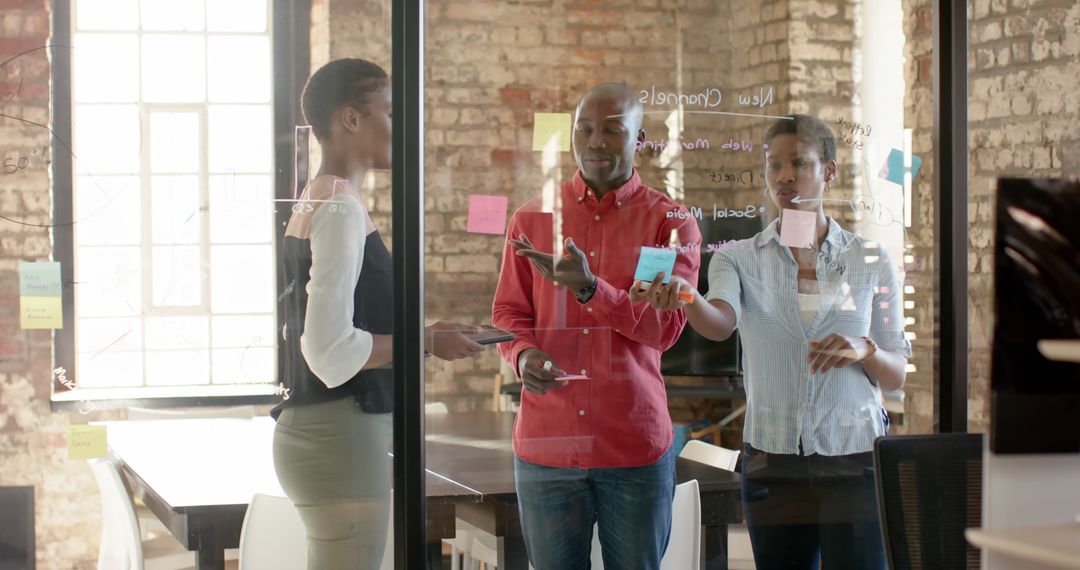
x,y
551,126
41,313
87,442
39,279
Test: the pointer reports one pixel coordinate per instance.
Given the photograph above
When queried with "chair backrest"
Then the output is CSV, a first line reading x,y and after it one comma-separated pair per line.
x,y
141,414
684,546
273,537
436,408
709,454
929,489
121,545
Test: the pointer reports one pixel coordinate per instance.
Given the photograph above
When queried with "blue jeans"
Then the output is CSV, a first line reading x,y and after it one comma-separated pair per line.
x,y
805,512
630,505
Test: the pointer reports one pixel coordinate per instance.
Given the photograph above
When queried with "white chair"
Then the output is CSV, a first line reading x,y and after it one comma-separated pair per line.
x,y
684,546
273,537
710,454
436,408
740,553
121,547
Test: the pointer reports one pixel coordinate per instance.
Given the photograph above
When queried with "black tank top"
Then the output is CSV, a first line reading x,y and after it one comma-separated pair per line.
x,y
373,302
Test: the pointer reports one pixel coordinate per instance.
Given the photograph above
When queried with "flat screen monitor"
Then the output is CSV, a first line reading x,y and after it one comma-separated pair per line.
x,y
693,354
1035,377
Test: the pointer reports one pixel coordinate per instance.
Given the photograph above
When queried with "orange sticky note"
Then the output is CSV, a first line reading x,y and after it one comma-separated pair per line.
x,y
487,214
87,442
41,313
551,126
797,228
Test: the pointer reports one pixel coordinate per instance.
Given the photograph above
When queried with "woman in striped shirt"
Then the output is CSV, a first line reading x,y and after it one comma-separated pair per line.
x,y
822,331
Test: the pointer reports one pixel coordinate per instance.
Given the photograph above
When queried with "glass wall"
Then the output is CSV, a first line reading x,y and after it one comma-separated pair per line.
x,y
774,157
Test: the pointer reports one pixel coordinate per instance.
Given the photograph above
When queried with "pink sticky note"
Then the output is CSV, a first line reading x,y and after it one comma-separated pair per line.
x,y
569,377
487,214
797,228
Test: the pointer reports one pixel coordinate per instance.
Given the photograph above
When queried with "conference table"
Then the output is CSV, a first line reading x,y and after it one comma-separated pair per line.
x,y
198,476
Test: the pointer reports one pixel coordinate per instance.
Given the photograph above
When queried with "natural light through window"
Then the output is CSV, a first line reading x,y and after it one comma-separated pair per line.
x,y
174,253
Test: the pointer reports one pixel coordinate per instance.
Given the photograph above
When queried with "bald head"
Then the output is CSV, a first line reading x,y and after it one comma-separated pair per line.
x,y
607,129
622,96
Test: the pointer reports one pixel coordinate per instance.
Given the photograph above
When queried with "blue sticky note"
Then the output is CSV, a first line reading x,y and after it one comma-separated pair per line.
x,y
893,169
39,278
653,261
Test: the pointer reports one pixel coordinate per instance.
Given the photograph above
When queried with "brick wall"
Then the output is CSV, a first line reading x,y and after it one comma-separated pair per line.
x,y
32,439
1024,116
1023,109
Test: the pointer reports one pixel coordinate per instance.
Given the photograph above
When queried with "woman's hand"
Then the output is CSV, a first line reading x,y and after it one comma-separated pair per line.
x,y
662,297
836,351
450,340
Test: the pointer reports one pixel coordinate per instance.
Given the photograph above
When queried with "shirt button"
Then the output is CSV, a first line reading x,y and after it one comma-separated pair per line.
x,y
581,412
592,254
588,192
597,218
583,372
586,331
588,309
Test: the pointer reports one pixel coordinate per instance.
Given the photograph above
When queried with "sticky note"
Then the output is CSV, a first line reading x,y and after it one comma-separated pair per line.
x,y
41,313
797,228
654,260
487,214
569,377
547,126
39,279
87,442
893,169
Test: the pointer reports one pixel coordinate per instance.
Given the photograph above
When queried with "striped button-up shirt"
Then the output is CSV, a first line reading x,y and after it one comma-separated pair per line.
x,y
838,412
619,416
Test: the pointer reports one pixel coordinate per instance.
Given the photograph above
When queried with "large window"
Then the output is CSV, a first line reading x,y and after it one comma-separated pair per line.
x,y
172,196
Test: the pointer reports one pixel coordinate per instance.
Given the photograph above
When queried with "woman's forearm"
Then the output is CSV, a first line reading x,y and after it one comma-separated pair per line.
x,y
714,320
887,370
382,352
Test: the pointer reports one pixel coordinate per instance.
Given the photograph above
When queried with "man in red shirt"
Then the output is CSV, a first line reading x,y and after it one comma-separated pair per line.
x,y
596,448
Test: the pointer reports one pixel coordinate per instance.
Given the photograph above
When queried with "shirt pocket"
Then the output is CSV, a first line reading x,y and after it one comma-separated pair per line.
x,y
761,299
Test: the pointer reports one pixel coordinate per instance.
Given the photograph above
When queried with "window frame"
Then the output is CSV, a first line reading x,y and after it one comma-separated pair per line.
x,y
290,23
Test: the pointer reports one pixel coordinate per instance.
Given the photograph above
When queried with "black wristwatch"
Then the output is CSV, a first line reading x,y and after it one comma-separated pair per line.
x,y
585,294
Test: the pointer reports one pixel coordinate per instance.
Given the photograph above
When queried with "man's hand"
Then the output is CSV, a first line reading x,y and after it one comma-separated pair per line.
x,y
450,340
531,367
571,270
836,351
662,297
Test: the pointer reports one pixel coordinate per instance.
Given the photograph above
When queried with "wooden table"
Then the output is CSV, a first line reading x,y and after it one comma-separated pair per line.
x,y
1056,546
198,476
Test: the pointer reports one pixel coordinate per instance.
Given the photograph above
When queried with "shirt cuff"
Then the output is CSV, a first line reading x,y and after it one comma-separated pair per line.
x,y
893,341
730,299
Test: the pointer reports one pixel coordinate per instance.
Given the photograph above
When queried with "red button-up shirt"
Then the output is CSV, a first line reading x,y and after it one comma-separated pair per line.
x,y
619,416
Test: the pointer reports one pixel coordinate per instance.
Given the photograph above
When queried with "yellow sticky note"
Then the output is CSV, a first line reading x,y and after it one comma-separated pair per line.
x,y
548,126
87,442
41,313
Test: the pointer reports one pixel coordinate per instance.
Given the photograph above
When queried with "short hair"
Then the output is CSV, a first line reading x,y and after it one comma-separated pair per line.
x,y
811,130
341,82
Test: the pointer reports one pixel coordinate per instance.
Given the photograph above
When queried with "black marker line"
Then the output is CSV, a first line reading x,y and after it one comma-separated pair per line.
x,y
32,50
76,158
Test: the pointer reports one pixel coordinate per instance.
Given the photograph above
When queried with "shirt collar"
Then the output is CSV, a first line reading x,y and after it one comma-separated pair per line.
x,y
835,236
580,189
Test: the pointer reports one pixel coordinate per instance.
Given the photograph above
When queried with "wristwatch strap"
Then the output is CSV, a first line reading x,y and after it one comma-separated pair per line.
x,y
585,294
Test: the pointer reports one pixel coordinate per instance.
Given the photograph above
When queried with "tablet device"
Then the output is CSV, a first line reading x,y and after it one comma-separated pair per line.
x,y
492,335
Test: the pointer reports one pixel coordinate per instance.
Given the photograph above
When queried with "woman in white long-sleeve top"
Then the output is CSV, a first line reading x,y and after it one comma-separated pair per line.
x,y
334,429
822,331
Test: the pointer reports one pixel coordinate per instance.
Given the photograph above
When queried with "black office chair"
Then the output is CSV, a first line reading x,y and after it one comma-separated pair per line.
x,y
929,489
